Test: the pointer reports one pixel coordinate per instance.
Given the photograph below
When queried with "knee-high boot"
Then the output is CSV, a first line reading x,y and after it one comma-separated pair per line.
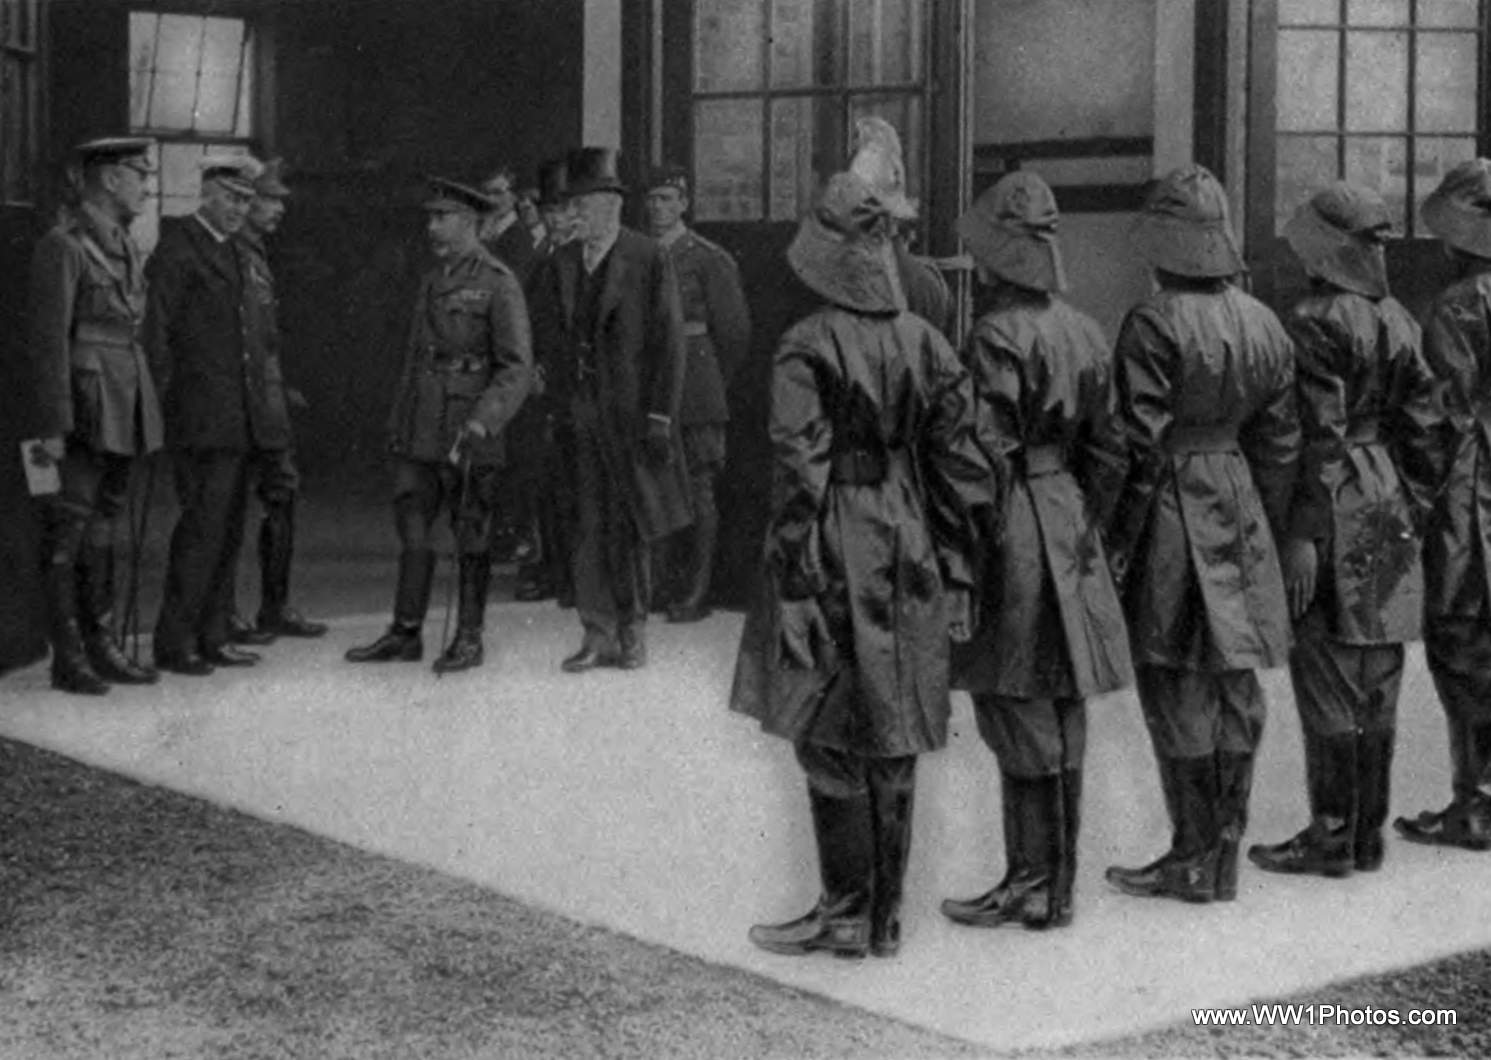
x,y
1326,847
1374,776
276,551
1234,790
465,650
95,587
692,605
1466,821
1188,871
71,670
1034,838
403,642
1071,827
893,798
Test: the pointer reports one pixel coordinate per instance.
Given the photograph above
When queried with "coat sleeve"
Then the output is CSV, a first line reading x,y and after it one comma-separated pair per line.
x,y
964,489
1102,452
1321,399
666,345
1145,362
55,269
1269,438
512,357
729,317
801,436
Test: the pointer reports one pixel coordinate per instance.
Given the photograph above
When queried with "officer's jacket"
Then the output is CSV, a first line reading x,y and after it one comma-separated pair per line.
x,y
93,381
1206,389
1052,624
209,343
1367,407
469,357
1457,545
715,321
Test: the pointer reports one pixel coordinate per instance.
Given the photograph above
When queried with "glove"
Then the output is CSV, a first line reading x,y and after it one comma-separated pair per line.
x,y
657,443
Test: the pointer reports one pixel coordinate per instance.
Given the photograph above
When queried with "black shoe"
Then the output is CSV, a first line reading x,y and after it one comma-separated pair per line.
x,y
290,623
1464,823
464,653
228,655
588,658
240,632
114,666
399,644
821,930
1319,850
186,663
530,590
77,677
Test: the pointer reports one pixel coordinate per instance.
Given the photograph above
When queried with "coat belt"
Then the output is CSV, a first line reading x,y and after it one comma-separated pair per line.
x,y
1202,438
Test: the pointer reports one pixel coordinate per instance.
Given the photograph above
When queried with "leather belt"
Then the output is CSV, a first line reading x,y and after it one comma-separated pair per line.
x,y
858,467
1202,438
1044,460
1362,430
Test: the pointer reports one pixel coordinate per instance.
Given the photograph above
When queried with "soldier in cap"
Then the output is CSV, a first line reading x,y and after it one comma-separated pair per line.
x,y
1052,633
1206,389
1351,556
607,317
276,477
224,398
97,405
881,494
468,366
1457,540
717,324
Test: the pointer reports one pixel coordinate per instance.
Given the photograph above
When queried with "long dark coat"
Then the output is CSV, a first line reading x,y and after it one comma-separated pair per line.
x,y
93,381
1457,545
221,381
1367,406
637,349
875,556
469,356
1052,624
1206,389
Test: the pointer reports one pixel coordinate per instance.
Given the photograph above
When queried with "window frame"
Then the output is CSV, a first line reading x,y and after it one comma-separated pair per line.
x,y
22,48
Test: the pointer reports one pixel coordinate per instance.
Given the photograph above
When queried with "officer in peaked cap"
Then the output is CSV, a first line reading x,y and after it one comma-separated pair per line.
x,y
468,366
96,402
717,325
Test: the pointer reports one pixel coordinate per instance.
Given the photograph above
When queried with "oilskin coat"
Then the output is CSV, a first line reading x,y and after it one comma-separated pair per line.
x,y
1206,388
1367,407
876,556
1051,623
469,357
1457,347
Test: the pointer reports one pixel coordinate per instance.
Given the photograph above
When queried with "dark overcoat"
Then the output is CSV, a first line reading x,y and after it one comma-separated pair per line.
x,y
515,249
1367,406
636,352
716,323
206,339
1052,624
469,357
93,381
875,547
1206,391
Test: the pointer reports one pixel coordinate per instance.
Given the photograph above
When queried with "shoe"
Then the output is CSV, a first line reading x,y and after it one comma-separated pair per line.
x,y
588,658
1188,871
228,655
1327,845
1464,823
465,652
290,623
1317,850
186,663
824,929
77,676
532,589
240,632
1034,839
114,666
398,644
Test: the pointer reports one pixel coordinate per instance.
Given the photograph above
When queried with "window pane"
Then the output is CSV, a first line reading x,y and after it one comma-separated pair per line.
x,y
1306,164
796,153
244,125
905,113
142,30
727,45
1293,12
885,42
728,174
1307,80
1448,79
1450,13
1377,82
178,54
805,43
1378,12
1434,156
1381,163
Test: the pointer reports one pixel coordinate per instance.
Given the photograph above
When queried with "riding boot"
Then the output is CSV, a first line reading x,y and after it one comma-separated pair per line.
x,y
893,797
1034,839
402,642
465,651
840,922
71,670
1374,776
1326,847
693,605
1234,790
95,588
1188,871
1071,819
276,550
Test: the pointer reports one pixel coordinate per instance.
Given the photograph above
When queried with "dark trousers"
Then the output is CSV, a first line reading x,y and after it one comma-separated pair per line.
x,y
1033,738
1196,713
1458,651
610,560
423,489
212,489
1343,689
95,490
276,482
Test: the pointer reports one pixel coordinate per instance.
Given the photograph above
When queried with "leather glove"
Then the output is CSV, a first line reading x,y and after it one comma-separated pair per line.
x,y
657,443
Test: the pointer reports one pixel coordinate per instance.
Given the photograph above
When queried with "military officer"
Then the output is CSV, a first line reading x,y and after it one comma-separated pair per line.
x,y
717,324
468,366
97,405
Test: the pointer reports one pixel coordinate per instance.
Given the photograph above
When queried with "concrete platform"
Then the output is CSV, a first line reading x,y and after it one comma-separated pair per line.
x,y
635,801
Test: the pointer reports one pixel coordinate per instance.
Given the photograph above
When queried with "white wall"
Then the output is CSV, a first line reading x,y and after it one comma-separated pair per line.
x,y
600,123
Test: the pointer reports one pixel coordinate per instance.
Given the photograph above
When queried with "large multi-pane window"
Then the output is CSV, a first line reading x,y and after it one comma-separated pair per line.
x,y
19,28
777,87
190,86
1383,93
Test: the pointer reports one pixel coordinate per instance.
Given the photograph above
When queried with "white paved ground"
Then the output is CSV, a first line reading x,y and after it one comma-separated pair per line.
x,y
637,802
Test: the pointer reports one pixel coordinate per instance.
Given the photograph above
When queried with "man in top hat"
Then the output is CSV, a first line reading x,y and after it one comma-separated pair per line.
x,y
1351,559
607,315
1457,540
717,324
96,403
276,477
1206,391
503,232
224,398
468,366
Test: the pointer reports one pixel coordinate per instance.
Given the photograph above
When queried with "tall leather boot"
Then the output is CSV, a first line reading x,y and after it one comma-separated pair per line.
x,y
1188,871
1234,790
465,650
276,550
95,586
840,923
1326,847
1374,777
893,798
1071,819
692,607
71,670
403,642
1034,840
1466,821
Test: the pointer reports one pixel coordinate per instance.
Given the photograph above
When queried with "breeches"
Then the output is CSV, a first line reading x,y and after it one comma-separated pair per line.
x,y
1341,688
1032,738
1194,713
845,774
422,490
95,490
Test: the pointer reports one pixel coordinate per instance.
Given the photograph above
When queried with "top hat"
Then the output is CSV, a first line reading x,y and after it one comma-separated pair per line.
x,y
131,151
1011,232
1184,228
552,183
1459,210
592,169
449,196
1337,235
236,172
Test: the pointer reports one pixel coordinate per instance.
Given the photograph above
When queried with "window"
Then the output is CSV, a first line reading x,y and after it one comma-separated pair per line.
x,y
777,86
19,24
190,87
1383,93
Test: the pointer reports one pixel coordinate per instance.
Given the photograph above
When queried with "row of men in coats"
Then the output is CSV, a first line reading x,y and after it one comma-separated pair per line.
x,y
1046,519
128,356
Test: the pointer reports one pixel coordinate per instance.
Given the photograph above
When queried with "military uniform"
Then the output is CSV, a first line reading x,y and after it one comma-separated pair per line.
x,y
95,391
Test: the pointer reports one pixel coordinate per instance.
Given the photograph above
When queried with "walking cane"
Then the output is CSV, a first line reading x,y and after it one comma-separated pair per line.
x,y
461,451
137,528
